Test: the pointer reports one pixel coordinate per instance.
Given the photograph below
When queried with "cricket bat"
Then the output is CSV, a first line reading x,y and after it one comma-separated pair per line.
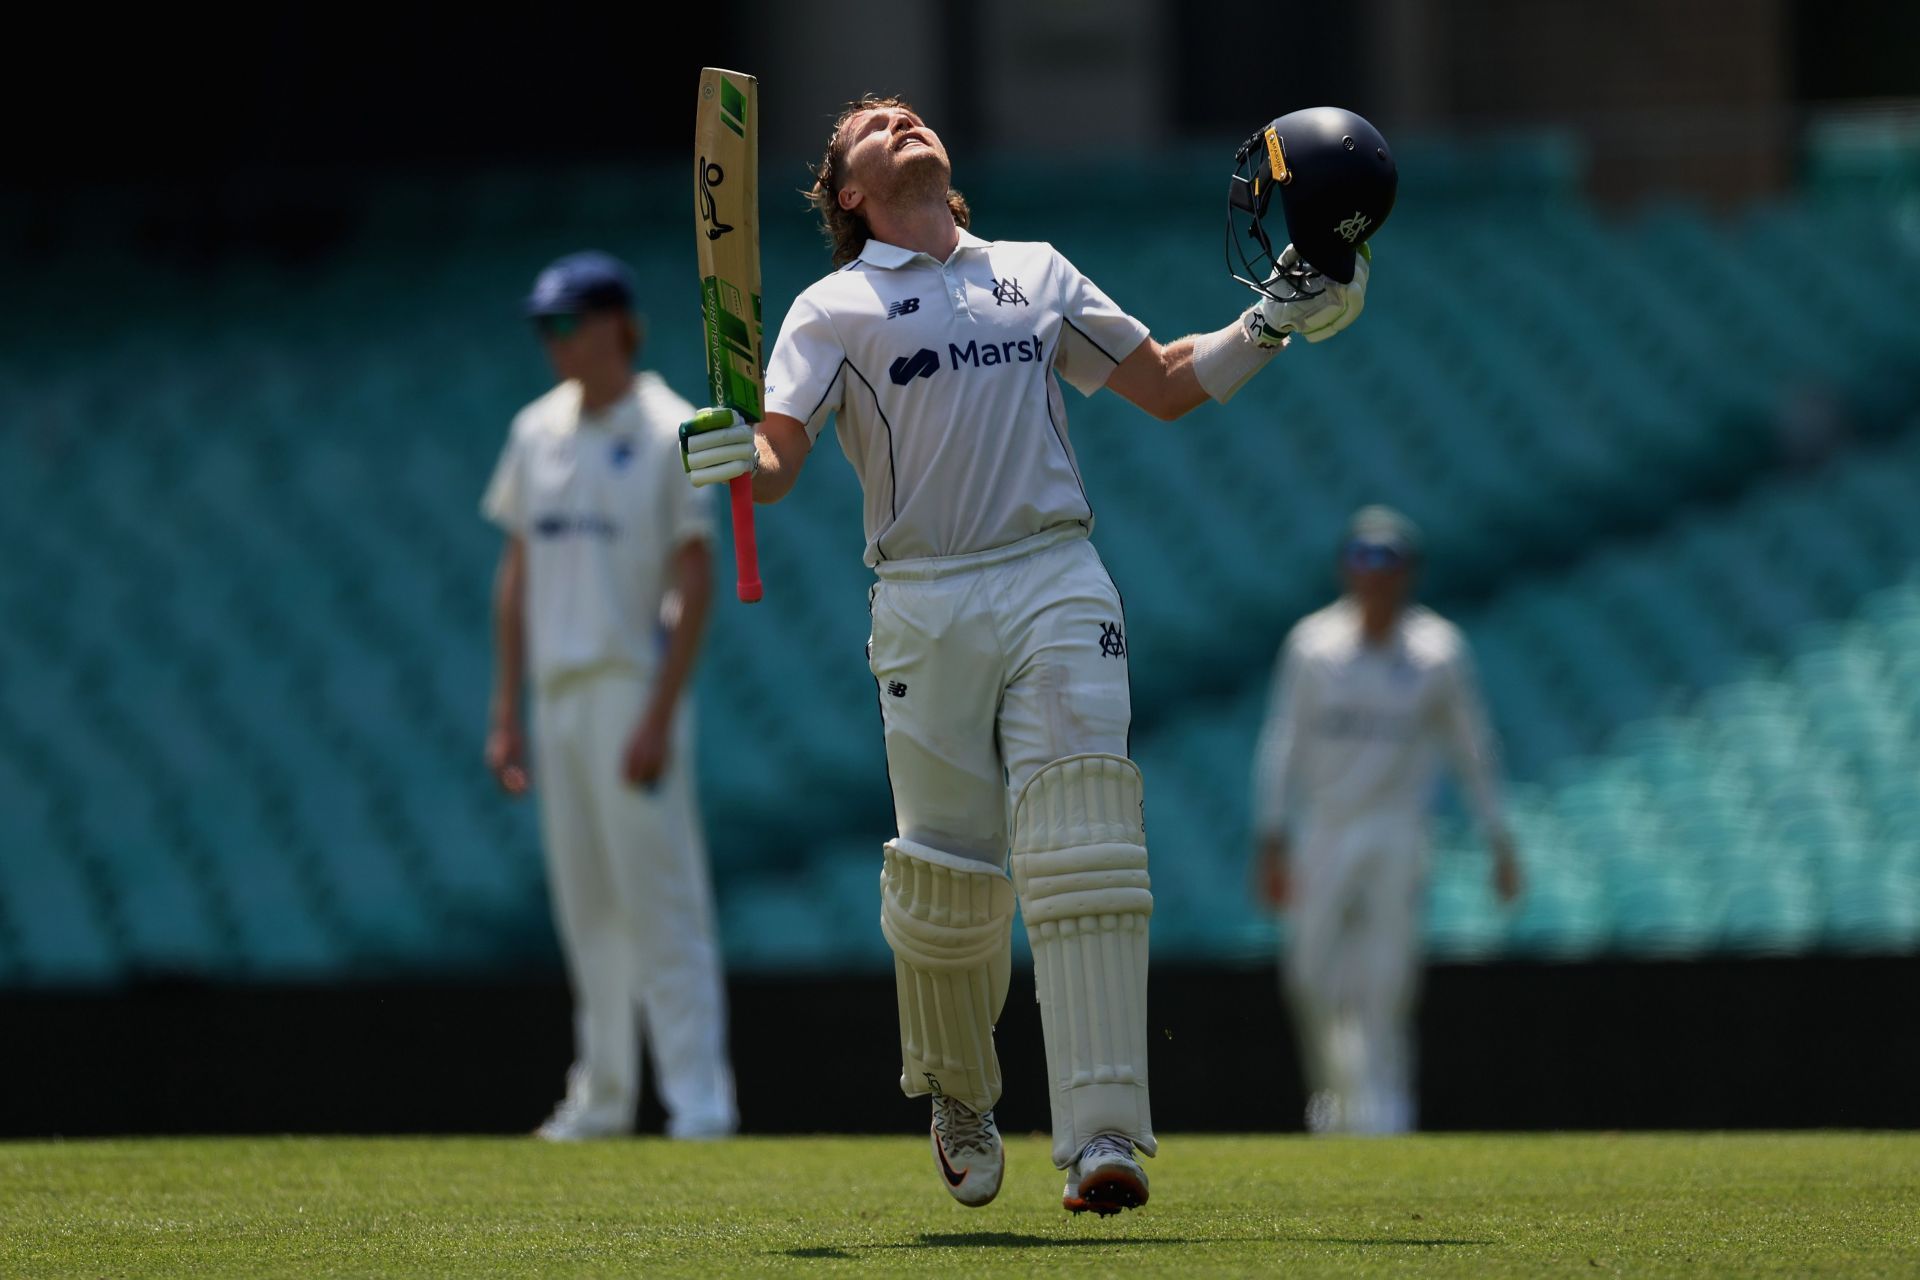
x,y
726,219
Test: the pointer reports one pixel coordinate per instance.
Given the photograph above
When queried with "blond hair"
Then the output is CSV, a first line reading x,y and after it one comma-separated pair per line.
x,y
846,229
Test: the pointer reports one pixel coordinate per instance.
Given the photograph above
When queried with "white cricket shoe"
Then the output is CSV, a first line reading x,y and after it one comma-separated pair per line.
x,y
1106,1178
1324,1113
967,1151
572,1122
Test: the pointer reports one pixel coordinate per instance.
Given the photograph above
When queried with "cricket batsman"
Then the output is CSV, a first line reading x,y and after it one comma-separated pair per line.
x,y
998,641
606,547
1369,696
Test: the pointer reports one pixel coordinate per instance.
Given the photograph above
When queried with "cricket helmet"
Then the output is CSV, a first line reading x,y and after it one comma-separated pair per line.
x,y
1335,178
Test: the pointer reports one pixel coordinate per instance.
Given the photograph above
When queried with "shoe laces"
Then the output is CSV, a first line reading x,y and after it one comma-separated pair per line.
x,y
961,1127
1105,1145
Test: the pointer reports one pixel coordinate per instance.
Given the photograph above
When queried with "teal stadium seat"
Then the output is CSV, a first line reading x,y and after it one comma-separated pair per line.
x,y
244,651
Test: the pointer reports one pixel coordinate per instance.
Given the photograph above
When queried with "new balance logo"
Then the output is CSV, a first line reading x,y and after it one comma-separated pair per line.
x,y
895,689
923,363
904,307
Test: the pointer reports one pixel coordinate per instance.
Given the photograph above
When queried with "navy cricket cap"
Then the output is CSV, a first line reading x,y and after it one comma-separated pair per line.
x,y
1386,529
587,281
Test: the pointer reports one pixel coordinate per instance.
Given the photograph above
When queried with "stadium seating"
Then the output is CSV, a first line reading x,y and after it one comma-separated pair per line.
x,y
243,647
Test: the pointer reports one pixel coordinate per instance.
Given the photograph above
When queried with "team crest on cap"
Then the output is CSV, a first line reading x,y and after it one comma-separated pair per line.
x,y
550,285
1350,229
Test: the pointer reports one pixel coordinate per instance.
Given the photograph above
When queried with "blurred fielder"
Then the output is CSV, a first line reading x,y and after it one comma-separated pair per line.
x,y
1369,695
998,642
605,547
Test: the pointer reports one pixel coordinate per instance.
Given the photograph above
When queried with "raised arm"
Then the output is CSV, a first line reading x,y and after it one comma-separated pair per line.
x,y
804,376
1160,379
1171,379
781,447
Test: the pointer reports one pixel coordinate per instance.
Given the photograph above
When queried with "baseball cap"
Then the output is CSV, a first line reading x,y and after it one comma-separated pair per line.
x,y
586,281
1386,529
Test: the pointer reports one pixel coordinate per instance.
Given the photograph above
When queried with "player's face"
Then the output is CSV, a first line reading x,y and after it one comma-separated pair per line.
x,y
891,154
1377,577
578,344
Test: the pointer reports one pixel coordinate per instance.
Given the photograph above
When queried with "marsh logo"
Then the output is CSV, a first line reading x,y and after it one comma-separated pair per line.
x,y
923,363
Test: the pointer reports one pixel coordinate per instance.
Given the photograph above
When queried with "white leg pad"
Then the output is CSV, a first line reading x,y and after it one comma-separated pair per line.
x,y
1080,865
949,921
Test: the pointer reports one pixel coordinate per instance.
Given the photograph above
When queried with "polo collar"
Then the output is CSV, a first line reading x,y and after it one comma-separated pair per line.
x,y
888,257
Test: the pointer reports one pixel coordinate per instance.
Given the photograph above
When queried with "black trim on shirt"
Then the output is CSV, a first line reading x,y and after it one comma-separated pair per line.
x,y
829,391
1046,394
893,477
1068,321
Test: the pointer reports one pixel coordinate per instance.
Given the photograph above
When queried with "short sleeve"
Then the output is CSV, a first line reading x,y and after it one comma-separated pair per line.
x,y
806,376
505,501
1096,335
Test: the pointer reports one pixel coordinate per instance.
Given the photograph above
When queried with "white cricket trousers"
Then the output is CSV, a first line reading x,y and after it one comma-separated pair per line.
x,y
1352,968
991,666
627,870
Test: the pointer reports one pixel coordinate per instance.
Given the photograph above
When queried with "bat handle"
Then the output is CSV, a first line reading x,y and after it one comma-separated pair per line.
x,y
746,555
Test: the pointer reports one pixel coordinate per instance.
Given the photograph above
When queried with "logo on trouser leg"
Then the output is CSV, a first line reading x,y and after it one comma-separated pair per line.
x,y
1113,643
895,689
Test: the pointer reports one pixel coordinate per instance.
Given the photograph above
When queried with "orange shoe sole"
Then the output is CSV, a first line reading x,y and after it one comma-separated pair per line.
x,y
1107,1194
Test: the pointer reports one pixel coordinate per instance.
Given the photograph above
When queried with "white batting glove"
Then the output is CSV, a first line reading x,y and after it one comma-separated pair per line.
x,y
1310,305
716,445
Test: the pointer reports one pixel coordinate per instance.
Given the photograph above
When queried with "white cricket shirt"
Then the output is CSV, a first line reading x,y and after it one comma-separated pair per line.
x,y
941,377
1356,731
601,501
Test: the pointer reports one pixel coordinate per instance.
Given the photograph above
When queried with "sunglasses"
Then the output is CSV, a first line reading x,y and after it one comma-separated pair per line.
x,y
564,325
1369,556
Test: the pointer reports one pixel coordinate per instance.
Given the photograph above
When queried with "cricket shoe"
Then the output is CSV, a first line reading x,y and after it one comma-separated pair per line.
x,y
571,1122
1106,1178
967,1151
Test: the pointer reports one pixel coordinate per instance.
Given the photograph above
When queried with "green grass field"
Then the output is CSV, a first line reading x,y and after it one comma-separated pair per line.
x,y
1812,1204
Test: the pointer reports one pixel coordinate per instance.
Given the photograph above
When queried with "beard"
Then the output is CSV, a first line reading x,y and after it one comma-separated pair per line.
x,y
920,175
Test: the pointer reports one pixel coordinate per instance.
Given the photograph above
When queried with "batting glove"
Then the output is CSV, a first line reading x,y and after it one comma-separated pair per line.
x,y
716,445
1309,304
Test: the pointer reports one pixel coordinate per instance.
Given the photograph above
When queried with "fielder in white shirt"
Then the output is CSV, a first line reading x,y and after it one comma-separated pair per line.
x,y
998,642
1370,696
606,546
